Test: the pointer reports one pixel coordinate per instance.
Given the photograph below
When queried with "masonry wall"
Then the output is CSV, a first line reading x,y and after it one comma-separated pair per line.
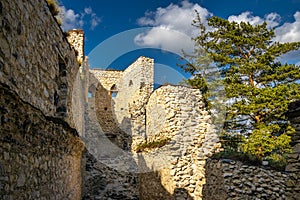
x,y
101,83
293,167
106,172
116,97
133,92
40,149
101,104
36,60
178,113
40,156
81,81
121,98
229,179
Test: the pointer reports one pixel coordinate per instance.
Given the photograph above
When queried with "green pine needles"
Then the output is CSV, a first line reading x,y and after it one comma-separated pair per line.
x,y
258,87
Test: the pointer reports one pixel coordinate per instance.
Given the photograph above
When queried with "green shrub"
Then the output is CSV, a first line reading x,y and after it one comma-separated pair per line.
x,y
277,161
264,142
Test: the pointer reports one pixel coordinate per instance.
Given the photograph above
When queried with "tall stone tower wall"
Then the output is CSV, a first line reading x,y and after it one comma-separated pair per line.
x,y
44,63
40,151
134,90
76,38
124,97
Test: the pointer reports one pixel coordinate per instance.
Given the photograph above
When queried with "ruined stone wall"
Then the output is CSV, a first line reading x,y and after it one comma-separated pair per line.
x,y
106,169
228,179
76,38
102,104
106,78
293,167
100,87
122,98
36,60
40,156
39,148
81,81
134,89
178,113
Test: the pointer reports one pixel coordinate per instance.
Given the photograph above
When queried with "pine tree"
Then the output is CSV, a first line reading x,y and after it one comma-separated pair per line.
x,y
258,86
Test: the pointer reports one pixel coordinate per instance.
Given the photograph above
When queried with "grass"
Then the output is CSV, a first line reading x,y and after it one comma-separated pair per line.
x,y
54,9
152,145
53,6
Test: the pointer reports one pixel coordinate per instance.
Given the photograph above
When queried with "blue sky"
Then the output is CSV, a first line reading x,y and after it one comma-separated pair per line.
x,y
117,32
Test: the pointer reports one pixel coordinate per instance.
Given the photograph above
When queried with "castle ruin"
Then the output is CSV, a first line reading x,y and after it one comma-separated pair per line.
x,y
70,132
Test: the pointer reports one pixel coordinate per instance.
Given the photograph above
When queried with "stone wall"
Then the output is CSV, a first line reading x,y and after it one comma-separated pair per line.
x,y
228,179
81,81
293,167
101,104
76,38
134,90
39,148
106,172
37,62
177,113
101,84
40,156
122,97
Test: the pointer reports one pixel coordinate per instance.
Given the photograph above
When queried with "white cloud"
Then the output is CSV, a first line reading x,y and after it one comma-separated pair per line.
x,y
289,32
88,10
272,19
94,22
72,20
165,39
246,17
172,29
172,26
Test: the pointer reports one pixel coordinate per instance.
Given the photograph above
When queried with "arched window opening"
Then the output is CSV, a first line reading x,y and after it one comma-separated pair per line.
x,y
113,91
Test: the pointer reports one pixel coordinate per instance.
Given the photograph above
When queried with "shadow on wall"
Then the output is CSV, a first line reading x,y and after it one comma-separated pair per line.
x,y
150,187
214,188
101,181
104,109
40,156
234,179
